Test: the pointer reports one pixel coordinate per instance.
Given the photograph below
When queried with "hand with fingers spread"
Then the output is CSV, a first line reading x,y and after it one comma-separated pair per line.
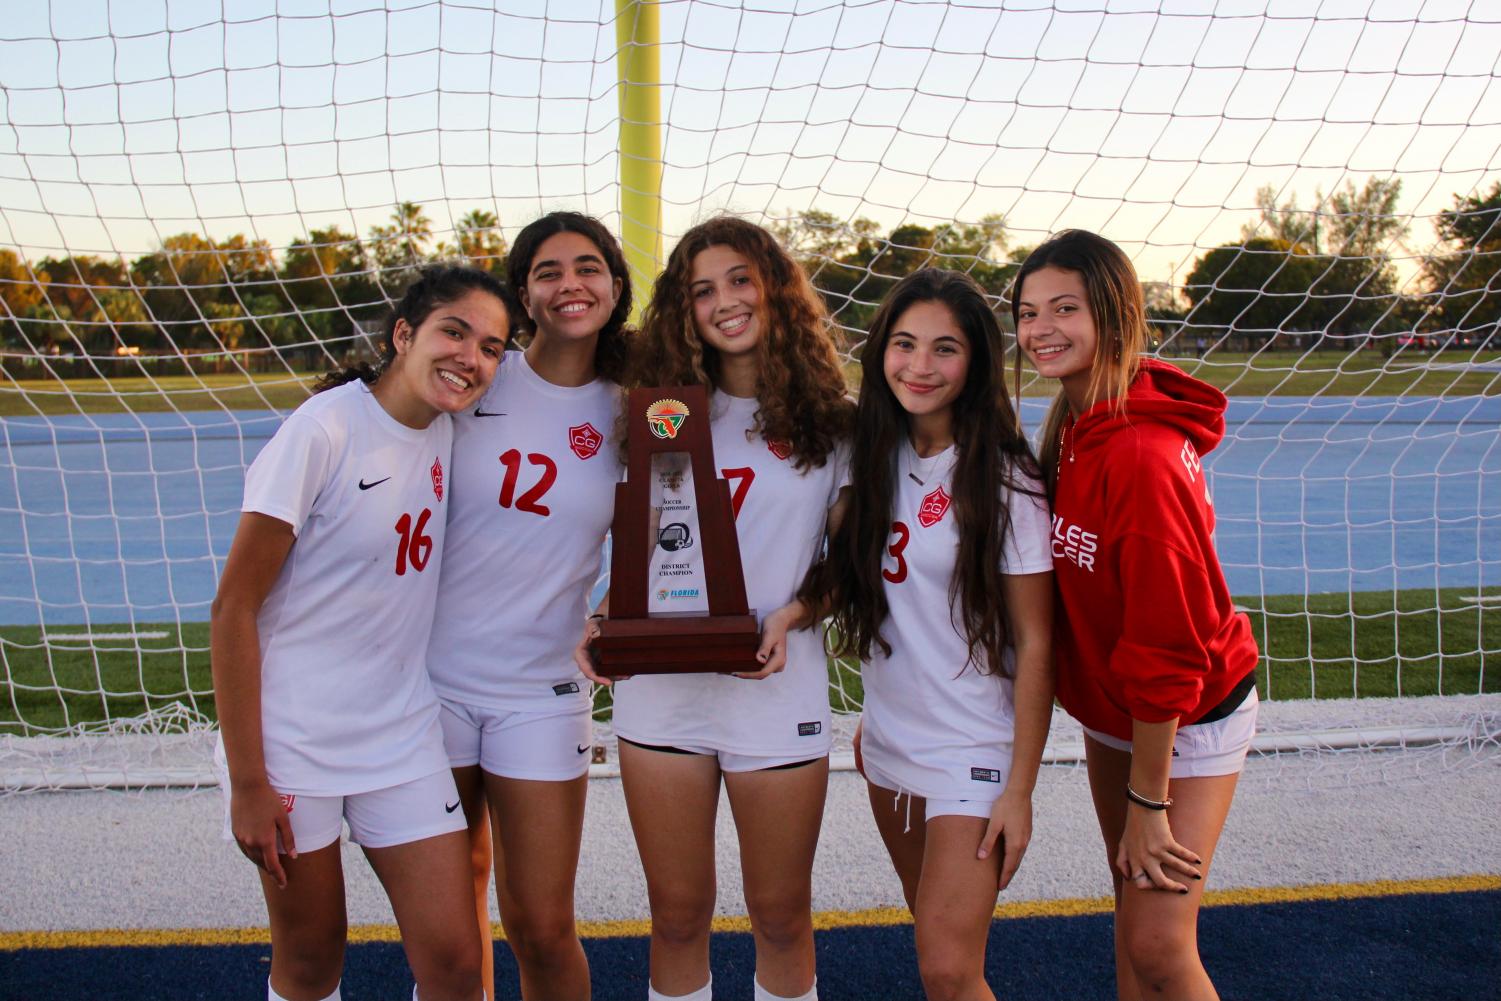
x,y
261,826
773,651
1011,823
1149,858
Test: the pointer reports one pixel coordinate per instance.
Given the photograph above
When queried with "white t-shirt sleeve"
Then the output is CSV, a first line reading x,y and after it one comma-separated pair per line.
x,y
840,457
289,473
1028,547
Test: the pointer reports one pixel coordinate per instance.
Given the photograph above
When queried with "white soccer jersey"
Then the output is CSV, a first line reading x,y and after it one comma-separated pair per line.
x,y
346,706
533,494
938,726
780,519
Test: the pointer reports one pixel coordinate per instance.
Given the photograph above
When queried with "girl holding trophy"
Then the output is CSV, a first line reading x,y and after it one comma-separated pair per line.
x,y
734,313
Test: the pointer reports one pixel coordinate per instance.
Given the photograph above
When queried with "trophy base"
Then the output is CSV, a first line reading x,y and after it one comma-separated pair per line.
x,y
687,643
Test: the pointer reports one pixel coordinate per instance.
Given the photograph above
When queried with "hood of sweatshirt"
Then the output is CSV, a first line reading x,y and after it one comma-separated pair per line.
x,y
1163,394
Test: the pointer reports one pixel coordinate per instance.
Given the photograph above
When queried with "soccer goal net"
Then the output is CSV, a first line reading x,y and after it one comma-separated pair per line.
x,y
204,205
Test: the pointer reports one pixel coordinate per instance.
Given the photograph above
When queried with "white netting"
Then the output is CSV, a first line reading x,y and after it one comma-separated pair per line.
x,y
202,204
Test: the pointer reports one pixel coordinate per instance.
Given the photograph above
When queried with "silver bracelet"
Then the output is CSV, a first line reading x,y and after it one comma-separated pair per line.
x,y
1150,804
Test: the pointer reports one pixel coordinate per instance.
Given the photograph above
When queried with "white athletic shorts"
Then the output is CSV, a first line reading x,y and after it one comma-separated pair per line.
x,y
550,747
1204,749
729,761
978,805
381,818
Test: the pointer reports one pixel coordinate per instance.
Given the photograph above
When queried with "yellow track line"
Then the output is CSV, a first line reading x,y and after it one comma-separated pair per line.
x,y
823,921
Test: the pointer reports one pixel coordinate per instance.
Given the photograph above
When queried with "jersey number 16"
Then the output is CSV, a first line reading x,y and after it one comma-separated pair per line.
x,y
415,546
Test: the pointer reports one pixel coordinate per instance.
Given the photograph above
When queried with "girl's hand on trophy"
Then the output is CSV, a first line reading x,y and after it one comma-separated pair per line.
x,y
583,654
773,651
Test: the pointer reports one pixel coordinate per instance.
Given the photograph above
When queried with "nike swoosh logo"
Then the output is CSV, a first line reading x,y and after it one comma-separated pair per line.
x,y
450,809
367,486
583,749
485,413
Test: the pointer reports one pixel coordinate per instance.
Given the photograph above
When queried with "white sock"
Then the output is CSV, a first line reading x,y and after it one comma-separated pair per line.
x,y
271,994
762,994
704,993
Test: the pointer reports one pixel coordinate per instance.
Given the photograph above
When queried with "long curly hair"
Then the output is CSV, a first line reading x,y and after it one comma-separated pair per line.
x,y
993,462
801,391
614,338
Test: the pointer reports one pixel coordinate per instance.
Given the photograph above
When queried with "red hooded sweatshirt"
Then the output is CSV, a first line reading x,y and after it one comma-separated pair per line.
x,y
1148,631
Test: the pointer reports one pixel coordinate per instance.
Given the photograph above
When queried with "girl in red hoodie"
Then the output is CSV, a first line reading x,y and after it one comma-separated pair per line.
x,y
1153,659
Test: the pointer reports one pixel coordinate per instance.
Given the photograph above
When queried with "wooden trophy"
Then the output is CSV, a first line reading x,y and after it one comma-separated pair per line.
x,y
674,546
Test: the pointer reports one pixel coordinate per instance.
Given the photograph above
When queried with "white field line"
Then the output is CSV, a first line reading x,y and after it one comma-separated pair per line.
x,y
1484,600
1064,752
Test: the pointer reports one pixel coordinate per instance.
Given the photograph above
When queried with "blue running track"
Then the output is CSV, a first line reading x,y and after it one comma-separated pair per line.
x,y
127,518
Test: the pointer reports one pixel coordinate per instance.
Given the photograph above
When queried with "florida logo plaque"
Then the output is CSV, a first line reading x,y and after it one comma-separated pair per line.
x,y
677,586
665,418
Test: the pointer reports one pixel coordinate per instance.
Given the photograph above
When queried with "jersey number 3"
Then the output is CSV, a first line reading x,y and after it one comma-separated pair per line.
x,y
416,546
528,501
895,547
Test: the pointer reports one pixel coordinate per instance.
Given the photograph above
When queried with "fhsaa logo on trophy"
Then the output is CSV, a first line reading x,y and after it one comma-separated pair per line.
x,y
665,417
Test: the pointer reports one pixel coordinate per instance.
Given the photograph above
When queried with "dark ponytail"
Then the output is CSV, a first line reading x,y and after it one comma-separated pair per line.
x,y
434,285
610,351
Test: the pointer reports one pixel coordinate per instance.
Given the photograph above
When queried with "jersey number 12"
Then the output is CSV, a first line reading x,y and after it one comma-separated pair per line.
x,y
529,500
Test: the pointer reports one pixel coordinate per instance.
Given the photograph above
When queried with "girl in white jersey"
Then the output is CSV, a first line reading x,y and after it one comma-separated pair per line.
x,y
319,634
939,578
533,495
733,312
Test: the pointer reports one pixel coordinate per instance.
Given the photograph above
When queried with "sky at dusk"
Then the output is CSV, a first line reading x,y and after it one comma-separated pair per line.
x,y
1152,122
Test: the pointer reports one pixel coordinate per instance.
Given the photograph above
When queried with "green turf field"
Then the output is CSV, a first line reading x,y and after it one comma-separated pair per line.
x,y
139,394
1427,643
1284,373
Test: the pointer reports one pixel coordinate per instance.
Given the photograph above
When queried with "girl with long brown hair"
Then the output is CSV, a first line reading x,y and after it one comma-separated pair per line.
x,y
939,579
734,313
1153,658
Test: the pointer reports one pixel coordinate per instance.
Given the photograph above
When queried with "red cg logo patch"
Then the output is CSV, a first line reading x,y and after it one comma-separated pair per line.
x,y
780,448
585,440
933,508
437,472
287,801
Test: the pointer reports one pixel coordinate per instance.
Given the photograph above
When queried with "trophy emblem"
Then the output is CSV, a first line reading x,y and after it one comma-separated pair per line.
x,y
665,417
677,586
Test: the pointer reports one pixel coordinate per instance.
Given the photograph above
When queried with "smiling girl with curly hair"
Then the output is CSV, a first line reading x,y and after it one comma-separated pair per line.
x,y
734,313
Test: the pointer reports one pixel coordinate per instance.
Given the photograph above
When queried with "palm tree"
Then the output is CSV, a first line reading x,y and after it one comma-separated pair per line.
x,y
480,239
413,228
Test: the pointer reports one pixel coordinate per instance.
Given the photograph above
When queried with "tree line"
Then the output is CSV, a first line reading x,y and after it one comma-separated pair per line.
x,y
1323,271
1327,271
197,295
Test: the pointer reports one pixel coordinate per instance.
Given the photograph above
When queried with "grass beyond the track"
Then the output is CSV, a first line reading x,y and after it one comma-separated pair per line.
x,y
1271,373
1367,644
141,394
